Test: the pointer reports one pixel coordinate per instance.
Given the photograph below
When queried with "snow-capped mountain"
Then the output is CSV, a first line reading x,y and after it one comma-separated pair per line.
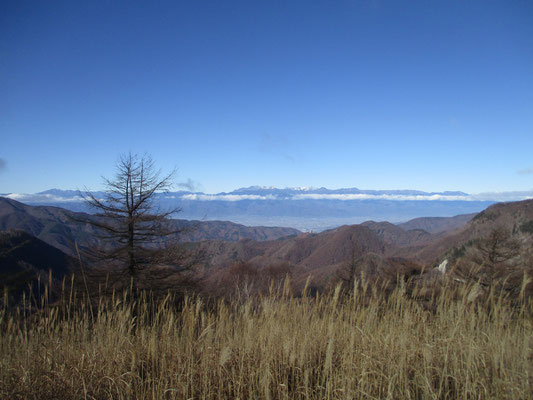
x,y
300,207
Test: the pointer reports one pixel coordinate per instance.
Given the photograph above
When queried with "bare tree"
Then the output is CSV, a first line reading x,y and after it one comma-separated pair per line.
x,y
498,247
492,260
351,270
127,217
497,250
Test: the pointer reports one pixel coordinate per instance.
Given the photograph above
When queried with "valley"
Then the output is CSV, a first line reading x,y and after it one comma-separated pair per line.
x,y
302,255
306,209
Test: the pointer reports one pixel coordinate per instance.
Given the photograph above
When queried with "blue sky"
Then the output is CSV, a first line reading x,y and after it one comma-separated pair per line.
x,y
428,95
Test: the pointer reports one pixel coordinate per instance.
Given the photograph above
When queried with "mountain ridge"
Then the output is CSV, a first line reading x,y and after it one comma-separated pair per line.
x,y
386,245
307,209
61,228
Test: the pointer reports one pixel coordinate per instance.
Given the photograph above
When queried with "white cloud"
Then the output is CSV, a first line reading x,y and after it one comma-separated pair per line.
x,y
41,198
17,196
504,196
363,196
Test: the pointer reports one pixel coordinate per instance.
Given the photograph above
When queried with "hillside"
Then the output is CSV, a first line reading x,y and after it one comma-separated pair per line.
x,y
397,236
53,225
223,244
437,224
196,231
515,218
309,251
382,246
61,228
20,251
317,255
24,258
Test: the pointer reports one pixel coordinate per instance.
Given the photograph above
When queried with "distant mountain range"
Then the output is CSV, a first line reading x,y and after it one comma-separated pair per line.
x,y
307,209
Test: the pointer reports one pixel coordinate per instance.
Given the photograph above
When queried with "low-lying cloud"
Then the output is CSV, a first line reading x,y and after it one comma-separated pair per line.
x,y
364,196
44,198
503,196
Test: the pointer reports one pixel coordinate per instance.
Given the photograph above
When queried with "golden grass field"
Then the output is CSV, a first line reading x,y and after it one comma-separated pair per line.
x,y
358,345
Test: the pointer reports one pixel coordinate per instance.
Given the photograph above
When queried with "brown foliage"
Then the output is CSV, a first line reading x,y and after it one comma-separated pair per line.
x,y
244,279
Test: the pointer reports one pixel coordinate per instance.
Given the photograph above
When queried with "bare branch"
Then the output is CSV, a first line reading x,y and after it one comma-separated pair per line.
x,y
126,218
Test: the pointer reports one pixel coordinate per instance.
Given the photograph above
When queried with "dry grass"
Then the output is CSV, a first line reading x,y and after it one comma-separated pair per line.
x,y
357,346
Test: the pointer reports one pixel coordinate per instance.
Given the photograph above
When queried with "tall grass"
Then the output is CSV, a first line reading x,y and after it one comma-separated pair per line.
x,y
360,345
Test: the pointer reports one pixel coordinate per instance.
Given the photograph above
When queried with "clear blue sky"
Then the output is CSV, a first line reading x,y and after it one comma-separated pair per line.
x,y
429,95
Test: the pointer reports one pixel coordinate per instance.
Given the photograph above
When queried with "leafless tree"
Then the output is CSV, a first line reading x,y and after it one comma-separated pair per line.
x,y
350,271
128,219
493,260
497,251
498,247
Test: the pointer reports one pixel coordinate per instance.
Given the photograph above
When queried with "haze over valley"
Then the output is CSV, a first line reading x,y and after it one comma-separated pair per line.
x,y
306,209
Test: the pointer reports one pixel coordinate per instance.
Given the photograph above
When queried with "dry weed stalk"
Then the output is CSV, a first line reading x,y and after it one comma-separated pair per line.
x,y
359,346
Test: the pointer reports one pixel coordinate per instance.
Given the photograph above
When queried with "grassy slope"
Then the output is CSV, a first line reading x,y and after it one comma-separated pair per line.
x,y
361,346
